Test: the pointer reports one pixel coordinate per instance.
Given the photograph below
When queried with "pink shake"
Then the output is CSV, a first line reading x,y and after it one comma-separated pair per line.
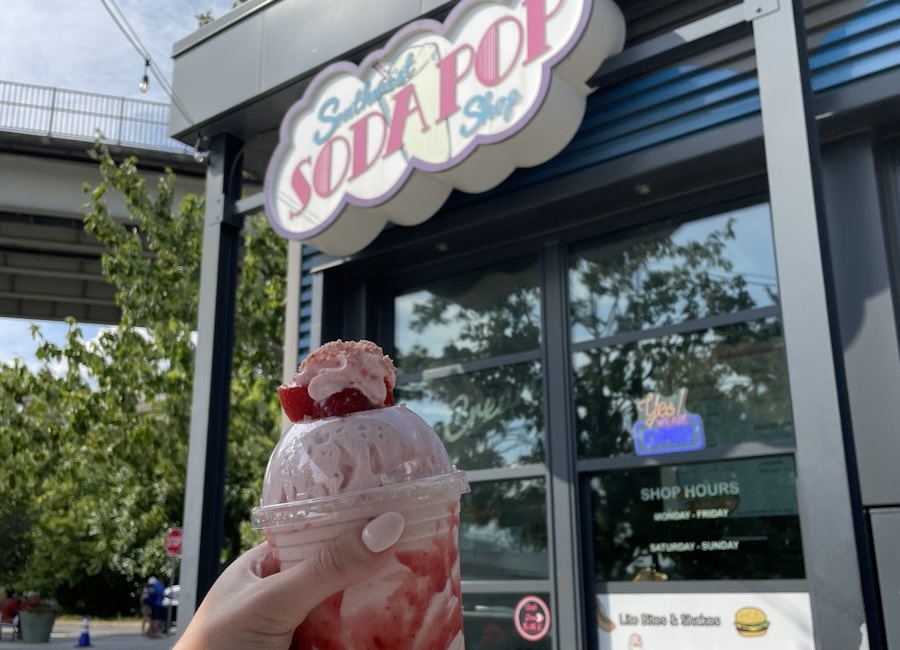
x,y
332,474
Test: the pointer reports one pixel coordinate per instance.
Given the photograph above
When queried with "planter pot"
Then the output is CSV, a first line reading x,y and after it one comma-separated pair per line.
x,y
36,626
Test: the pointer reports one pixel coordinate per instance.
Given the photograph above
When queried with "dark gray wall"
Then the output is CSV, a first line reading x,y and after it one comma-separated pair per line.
x,y
866,312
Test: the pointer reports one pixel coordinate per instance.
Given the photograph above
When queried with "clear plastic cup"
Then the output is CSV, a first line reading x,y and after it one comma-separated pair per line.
x,y
329,476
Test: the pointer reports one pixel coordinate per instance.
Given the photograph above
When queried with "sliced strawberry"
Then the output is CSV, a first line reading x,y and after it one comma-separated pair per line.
x,y
296,402
299,406
348,401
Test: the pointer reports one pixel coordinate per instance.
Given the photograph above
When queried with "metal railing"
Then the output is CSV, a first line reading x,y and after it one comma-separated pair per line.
x,y
77,115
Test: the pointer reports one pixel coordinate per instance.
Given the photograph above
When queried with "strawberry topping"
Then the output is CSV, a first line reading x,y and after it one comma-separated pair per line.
x,y
299,406
347,376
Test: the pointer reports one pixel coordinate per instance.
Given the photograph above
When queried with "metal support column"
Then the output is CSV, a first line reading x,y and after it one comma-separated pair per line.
x,y
823,487
204,506
566,587
291,316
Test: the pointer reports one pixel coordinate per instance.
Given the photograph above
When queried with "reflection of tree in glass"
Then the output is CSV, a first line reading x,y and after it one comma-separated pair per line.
x,y
514,515
490,417
735,375
508,324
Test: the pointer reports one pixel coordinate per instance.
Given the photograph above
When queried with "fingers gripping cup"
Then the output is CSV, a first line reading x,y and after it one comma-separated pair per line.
x,y
331,474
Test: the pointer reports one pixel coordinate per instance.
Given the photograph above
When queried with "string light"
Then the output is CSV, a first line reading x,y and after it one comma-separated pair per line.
x,y
201,149
145,80
150,67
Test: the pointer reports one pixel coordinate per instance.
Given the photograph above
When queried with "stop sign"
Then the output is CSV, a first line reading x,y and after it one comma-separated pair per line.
x,y
173,541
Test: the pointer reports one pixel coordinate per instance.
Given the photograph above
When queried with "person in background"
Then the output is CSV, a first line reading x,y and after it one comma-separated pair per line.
x,y
32,599
10,611
10,608
146,610
157,611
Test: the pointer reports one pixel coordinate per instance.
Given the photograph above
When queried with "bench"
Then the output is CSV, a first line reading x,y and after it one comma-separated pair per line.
x,y
12,626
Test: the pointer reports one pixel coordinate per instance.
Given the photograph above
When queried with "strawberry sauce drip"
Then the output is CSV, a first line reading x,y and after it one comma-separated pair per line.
x,y
404,621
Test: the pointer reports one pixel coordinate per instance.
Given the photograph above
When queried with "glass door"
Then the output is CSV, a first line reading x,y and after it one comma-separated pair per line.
x,y
468,348
684,436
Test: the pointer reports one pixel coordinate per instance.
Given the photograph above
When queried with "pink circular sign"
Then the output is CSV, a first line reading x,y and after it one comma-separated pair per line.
x,y
532,618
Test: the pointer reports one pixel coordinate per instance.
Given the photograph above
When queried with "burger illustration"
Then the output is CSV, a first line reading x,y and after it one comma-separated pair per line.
x,y
751,621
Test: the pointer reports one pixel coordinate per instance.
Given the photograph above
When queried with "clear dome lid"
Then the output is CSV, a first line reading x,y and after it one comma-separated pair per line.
x,y
370,456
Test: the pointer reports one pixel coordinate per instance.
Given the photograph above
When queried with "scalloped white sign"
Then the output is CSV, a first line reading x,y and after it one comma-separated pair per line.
x,y
443,106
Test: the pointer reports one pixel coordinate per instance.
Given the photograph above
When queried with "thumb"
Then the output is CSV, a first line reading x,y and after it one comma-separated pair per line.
x,y
348,560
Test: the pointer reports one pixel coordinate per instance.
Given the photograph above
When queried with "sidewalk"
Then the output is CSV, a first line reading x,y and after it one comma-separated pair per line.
x,y
109,635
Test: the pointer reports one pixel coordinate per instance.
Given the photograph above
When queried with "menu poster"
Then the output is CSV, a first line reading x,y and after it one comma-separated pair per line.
x,y
755,621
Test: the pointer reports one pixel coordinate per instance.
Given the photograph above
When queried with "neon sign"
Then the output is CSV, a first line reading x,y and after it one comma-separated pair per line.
x,y
666,426
443,106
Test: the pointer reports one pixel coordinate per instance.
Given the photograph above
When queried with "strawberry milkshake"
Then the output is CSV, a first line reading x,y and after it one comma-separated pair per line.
x,y
350,455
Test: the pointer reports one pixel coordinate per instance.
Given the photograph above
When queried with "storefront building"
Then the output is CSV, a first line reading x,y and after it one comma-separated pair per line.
x,y
666,354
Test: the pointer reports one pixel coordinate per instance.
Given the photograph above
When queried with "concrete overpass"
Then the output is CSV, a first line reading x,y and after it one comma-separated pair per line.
x,y
49,266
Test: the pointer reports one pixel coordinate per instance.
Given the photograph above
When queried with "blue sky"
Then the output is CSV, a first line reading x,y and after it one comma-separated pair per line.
x,y
16,341
75,45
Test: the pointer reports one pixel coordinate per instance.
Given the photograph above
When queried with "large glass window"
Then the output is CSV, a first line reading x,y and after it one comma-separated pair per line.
x,y
732,520
734,378
503,531
468,351
672,274
677,347
475,315
486,418
488,622
679,327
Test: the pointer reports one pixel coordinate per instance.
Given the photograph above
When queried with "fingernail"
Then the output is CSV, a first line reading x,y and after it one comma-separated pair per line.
x,y
383,531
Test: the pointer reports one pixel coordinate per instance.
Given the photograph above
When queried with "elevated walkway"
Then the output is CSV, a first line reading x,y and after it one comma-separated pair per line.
x,y
49,266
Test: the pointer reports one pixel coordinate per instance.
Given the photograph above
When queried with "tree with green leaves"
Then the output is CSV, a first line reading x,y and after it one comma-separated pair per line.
x,y
93,443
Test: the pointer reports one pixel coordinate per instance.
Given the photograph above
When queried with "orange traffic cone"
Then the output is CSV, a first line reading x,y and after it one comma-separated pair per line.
x,y
84,641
